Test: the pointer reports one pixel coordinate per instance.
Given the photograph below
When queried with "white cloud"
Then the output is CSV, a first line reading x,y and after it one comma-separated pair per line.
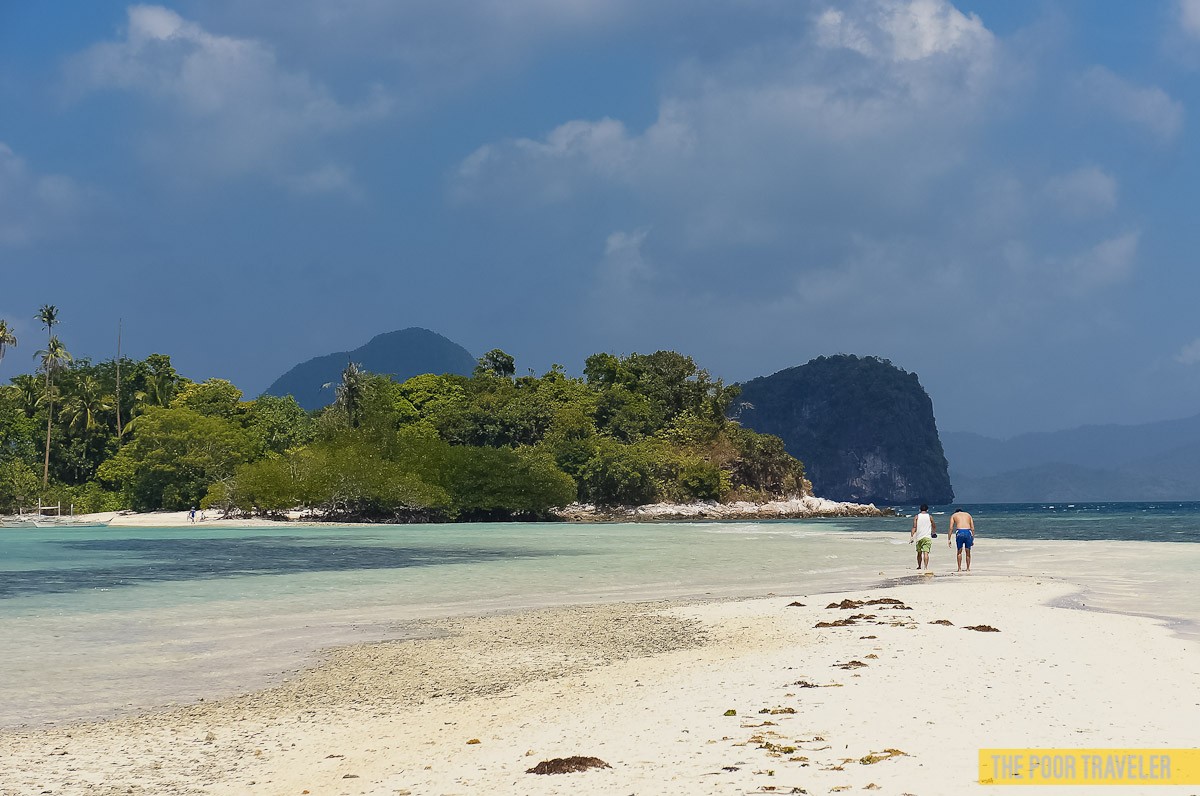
x,y
426,49
1189,17
901,32
772,118
624,265
1148,107
33,206
223,106
1084,193
327,179
1189,354
848,174
1108,263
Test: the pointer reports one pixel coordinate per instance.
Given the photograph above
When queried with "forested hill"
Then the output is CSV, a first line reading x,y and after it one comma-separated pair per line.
x,y
636,429
863,428
401,354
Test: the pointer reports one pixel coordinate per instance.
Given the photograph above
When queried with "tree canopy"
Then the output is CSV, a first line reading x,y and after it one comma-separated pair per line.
x,y
634,429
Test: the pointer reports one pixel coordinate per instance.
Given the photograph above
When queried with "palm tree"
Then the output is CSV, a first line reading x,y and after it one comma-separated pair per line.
x,y
48,317
348,393
7,338
87,401
160,382
29,392
53,358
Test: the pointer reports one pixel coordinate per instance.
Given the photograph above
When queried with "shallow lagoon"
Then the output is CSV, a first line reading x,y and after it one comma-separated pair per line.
x,y
101,620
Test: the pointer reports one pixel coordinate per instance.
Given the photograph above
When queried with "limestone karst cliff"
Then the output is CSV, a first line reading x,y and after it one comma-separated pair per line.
x,y
863,427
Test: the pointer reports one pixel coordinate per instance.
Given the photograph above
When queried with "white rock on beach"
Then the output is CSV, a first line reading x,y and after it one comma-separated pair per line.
x,y
795,507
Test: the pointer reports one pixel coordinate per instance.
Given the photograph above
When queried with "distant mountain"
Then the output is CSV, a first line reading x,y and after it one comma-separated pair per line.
x,y
1069,482
863,427
1151,461
402,354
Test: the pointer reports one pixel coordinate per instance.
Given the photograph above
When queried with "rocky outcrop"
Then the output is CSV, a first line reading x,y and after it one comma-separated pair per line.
x,y
793,508
863,428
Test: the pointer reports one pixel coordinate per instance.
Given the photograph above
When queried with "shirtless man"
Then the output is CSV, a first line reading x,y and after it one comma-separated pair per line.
x,y
962,532
922,534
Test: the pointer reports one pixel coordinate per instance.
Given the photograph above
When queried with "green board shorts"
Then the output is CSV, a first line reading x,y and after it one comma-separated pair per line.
x,y
924,545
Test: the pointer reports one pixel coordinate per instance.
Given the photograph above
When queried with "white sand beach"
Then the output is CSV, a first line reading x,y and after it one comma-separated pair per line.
x,y
798,507
648,688
180,519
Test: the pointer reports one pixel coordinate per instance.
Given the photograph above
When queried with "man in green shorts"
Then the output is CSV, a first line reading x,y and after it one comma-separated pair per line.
x,y
922,533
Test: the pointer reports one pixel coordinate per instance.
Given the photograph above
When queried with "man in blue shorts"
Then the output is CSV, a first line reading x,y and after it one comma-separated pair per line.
x,y
962,531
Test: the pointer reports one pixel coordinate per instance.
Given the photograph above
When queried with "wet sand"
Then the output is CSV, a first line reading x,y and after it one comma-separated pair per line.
x,y
646,687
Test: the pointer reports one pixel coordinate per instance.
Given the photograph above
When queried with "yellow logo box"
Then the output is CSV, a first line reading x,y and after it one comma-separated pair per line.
x,y
1089,766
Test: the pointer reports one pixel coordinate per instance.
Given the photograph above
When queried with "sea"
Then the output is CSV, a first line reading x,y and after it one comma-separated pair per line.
x,y
101,621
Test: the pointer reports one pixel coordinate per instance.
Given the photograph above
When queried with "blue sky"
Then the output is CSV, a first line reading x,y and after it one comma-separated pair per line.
x,y
998,196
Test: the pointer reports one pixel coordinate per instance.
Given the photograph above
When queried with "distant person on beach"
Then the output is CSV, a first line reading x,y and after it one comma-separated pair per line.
x,y
192,515
962,526
923,529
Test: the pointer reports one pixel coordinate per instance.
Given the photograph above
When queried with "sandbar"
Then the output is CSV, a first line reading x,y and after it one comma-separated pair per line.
x,y
697,697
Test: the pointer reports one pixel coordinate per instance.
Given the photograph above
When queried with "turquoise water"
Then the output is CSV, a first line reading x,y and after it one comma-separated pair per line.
x,y
1171,521
96,621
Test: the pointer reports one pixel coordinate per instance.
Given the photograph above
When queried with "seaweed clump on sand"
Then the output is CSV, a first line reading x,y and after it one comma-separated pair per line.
x,y
983,628
837,623
886,601
876,757
945,622
567,765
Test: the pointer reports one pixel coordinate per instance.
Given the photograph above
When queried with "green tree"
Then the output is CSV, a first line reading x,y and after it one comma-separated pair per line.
x,y
174,455
700,480
214,397
763,466
278,424
496,363
158,382
82,408
349,393
351,477
18,484
53,357
268,486
18,430
48,317
7,338
618,475
29,393
498,483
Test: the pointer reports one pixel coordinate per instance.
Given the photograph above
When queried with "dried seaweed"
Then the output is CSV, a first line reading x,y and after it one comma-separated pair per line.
x,y
567,765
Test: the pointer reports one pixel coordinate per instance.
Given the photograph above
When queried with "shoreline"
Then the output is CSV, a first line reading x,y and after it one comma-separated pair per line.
x,y
645,687
801,508
808,507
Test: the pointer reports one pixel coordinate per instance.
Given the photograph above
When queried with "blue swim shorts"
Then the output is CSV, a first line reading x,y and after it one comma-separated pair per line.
x,y
964,538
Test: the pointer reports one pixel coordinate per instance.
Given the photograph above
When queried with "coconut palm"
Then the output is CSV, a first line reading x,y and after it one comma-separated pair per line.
x,y
53,357
7,338
348,393
29,393
81,410
160,383
48,316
